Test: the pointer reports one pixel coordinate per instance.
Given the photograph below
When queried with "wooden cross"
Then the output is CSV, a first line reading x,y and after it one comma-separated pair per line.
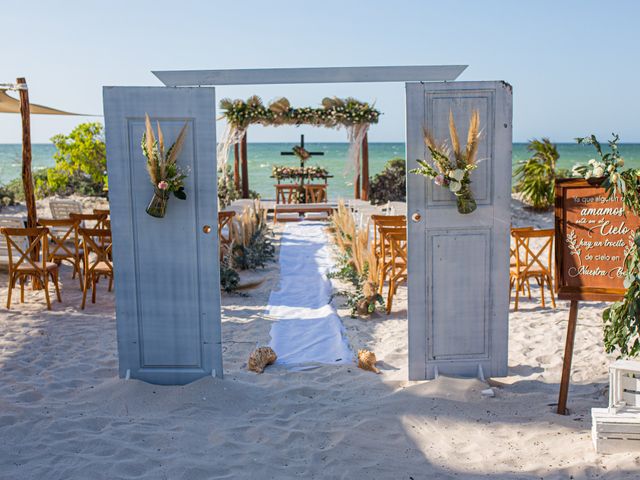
x,y
302,146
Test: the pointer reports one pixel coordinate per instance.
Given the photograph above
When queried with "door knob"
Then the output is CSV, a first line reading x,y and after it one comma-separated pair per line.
x,y
416,217
206,229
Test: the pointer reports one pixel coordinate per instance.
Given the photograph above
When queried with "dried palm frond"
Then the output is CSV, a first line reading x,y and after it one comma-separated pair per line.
x,y
226,104
150,144
254,101
455,143
280,106
473,137
174,150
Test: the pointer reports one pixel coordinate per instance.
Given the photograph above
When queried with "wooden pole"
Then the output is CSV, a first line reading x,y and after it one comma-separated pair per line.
x,y
365,167
27,177
245,170
236,166
568,355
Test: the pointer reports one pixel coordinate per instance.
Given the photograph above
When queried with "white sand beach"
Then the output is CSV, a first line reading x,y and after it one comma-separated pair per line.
x,y
64,414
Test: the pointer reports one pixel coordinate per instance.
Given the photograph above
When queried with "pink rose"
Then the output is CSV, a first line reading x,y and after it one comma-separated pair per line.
x,y
163,185
439,180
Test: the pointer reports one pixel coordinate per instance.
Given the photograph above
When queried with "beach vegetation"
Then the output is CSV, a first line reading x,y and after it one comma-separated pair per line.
x,y
252,247
356,264
390,185
535,177
80,163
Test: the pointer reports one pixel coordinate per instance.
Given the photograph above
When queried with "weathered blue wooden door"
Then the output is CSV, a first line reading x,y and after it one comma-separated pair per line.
x,y
459,264
166,269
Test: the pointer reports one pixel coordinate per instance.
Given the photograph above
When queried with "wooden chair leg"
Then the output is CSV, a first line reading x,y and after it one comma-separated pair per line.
x,y
46,290
79,273
541,283
55,277
93,289
518,287
390,295
553,300
11,284
21,289
84,290
528,288
111,282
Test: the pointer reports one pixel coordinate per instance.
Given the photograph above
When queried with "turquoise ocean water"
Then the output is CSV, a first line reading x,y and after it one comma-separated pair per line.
x,y
263,155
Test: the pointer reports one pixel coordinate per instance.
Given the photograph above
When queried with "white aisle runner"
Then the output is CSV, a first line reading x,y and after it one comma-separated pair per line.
x,y
306,328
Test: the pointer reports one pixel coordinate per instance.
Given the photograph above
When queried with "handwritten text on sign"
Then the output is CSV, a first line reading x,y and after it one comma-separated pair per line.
x,y
598,236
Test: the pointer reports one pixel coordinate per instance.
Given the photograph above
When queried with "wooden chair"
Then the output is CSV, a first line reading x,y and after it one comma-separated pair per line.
x,y
225,230
10,222
383,224
106,223
512,256
63,243
398,263
315,193
286,193
96,246
61,208
530,262
83,219
25,267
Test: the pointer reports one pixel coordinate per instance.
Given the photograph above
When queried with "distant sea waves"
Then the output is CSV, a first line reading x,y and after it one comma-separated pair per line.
x,y
263,155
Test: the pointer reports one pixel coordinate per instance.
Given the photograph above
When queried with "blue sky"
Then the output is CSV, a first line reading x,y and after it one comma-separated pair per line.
x,y
574,65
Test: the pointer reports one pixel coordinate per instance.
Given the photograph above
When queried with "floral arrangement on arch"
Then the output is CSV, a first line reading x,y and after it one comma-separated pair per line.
x,y
164,173
335,112
453,171
280,172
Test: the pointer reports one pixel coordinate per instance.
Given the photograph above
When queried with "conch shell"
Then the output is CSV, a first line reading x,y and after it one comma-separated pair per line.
x,y
367,361
260,358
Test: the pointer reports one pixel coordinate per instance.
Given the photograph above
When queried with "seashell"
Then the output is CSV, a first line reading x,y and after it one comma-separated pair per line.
x,y
367,361
260,358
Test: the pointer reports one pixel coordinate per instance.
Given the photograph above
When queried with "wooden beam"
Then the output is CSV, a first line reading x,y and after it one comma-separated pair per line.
x,y
568,355
266,76
27,177
236,166
245,168
356,185
365,167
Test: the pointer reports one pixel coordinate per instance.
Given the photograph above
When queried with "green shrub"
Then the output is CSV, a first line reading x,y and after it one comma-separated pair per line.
x,y
535,177
257,252
390,185
81,164
229,278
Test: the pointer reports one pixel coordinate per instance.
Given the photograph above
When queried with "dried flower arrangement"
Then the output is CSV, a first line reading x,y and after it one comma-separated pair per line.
x,y
453,173
357,264
164,173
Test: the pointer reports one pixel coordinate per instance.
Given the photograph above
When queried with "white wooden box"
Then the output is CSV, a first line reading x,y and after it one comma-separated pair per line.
x,y
615,432
624,386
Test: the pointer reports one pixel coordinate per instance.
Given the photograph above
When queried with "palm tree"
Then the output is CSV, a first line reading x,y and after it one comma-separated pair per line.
x,y
535,177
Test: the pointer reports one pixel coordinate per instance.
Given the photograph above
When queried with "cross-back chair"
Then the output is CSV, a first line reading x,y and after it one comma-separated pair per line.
x,y
315,193
96,246
512,257
381,225
63,243
10,222
398,262
61,208
84,219
225,229
533,253
106,223
23,242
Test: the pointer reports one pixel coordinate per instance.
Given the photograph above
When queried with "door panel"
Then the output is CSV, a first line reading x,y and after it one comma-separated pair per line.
x,y
458,270
167,277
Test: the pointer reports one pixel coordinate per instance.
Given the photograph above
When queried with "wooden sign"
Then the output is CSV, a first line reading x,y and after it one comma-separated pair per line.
x,y
594,233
